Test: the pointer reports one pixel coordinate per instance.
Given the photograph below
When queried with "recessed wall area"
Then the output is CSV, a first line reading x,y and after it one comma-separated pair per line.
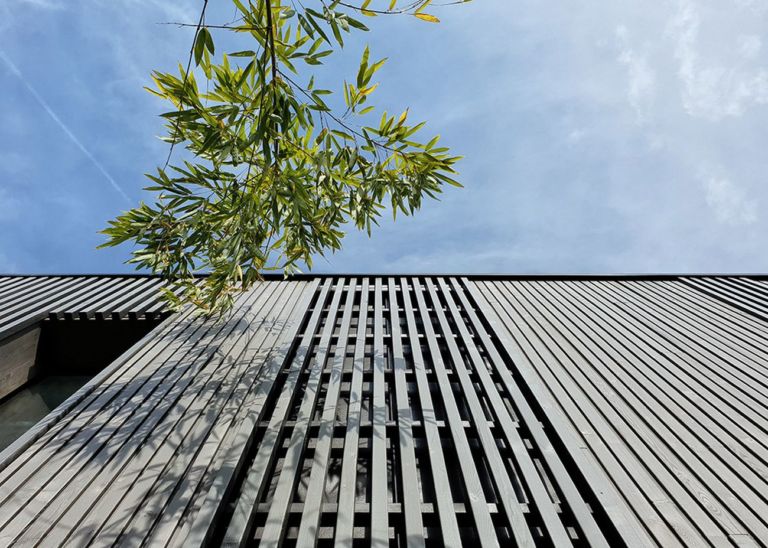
x,y
41,366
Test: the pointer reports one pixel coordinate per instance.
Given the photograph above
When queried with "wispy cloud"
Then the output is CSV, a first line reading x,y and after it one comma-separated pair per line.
x,y
641,86
43,4
619,136
729,202
72,137
712,89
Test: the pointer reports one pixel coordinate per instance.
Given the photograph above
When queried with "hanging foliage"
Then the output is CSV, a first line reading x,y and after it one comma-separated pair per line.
x,y
275,175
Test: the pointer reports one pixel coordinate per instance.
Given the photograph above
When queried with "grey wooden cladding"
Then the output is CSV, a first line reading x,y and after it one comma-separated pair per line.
x,y
103,472
410,411
395,366
25,300
664,386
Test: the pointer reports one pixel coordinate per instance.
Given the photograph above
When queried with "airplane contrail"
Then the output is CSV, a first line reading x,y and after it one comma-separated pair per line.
x,y
15,70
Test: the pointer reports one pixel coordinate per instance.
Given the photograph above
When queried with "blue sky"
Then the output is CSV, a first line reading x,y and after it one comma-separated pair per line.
x,y
607,137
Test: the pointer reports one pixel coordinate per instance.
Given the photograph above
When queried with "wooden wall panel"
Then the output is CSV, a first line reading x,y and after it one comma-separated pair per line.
x,y
416,411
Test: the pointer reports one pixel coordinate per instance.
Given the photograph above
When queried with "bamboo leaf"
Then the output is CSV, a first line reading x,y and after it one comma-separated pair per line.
x,y
427,17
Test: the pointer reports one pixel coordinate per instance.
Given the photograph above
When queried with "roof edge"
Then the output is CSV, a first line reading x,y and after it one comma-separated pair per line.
x,y
471,276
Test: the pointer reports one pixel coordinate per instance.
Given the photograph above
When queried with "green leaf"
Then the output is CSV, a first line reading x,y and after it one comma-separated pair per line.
x,y
310,15
208,41
363,68
275,174
246,72
368,90
336,32
200,41
365,11
342,134
354,23
426,17
423,6
241,7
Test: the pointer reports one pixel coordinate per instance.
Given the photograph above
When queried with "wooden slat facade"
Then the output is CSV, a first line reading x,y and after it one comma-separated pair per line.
x,y
409,411
26,300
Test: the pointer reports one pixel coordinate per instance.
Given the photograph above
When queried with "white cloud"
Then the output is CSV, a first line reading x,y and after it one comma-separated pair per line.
x,y
575,185
729,202
641,86
715,88
756,6
576,135
750,46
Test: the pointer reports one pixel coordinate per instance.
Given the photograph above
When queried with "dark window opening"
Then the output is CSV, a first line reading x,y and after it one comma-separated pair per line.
x,y
45,364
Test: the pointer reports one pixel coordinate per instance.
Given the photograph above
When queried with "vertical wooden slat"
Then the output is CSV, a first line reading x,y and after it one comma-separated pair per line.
x,y
310,518
210,463
128,384
345,515
44,432
448,525
477,501
239,528
612,453
113,445
235,448
286,483
107,513
624,412
575,501
694,437
552,524
379,517
512,508
25,301
414,528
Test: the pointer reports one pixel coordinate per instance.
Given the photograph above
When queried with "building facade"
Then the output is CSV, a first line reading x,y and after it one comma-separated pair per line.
x,y
388,411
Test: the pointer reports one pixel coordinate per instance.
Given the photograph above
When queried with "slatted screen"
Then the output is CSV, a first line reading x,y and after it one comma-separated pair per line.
x,y
26,300
396,422
419,411
662,388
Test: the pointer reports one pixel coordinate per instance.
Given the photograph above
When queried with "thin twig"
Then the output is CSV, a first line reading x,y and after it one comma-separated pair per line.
x,y
236,28
273,55
400,11
336,118
186,77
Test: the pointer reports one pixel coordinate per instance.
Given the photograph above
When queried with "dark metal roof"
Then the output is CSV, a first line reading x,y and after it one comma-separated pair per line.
x,y
418,410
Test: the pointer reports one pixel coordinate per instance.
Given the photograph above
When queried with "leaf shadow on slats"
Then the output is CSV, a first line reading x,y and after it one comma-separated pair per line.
x,y
363,478
162,419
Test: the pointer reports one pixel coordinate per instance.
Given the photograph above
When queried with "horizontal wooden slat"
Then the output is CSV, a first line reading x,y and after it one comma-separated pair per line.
x,y
26,300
